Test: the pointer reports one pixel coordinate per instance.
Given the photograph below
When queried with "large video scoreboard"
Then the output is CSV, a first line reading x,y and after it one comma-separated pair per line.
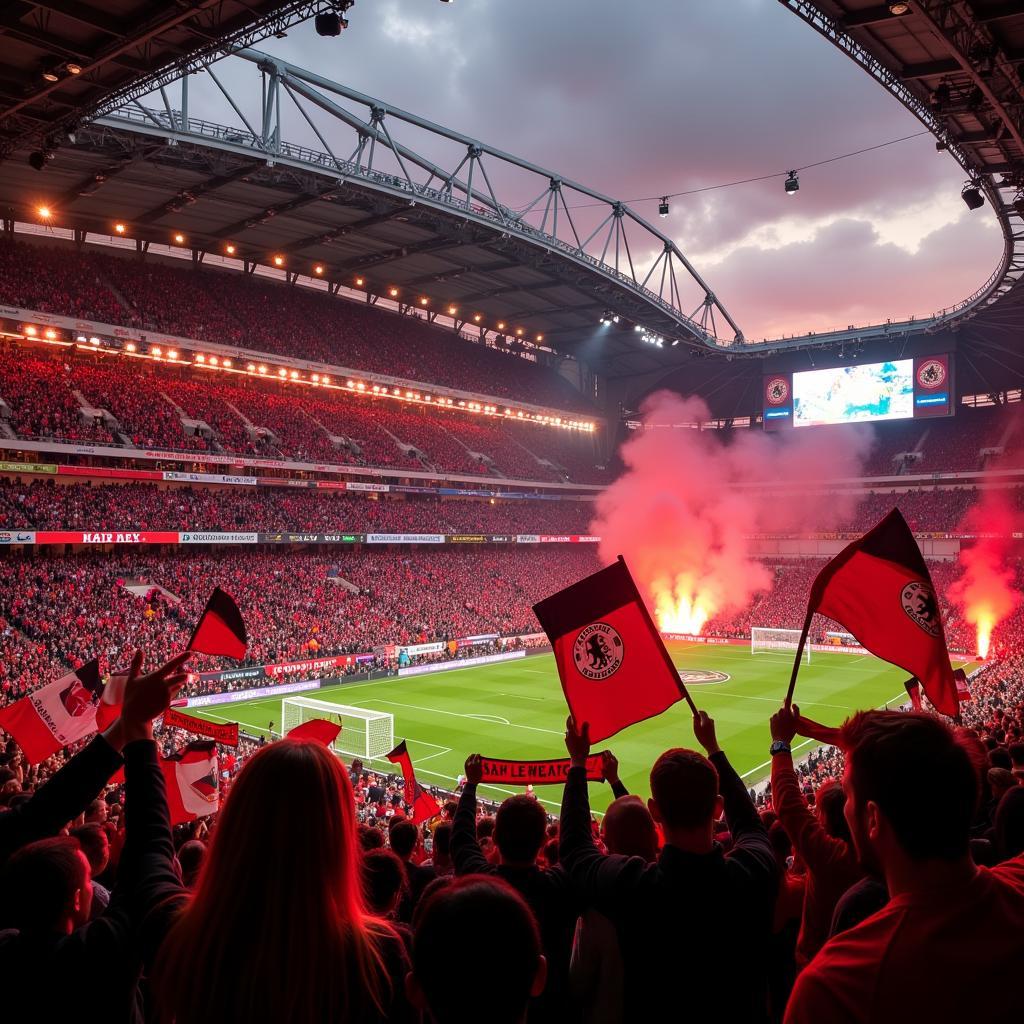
x,y
859,393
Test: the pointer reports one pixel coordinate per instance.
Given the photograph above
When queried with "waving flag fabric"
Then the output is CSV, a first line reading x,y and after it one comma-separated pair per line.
x,y
55,715
220,630
192,781
317,729
879,588
610,656
424,806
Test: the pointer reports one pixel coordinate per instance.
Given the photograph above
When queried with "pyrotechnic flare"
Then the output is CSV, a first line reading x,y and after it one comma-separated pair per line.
x,y
684,512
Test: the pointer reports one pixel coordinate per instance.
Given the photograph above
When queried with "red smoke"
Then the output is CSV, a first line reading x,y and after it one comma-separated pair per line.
x,y
985,591
683,512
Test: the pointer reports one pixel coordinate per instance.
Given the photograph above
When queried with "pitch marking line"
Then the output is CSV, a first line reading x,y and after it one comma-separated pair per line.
x,y
455,714
775,700
522,696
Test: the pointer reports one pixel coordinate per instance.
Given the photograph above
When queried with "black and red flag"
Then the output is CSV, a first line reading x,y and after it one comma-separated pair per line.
x,y
192,781
50,718
879,589
424,806
611,660
221,630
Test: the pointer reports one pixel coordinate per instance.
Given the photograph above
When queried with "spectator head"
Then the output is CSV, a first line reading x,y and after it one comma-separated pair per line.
x,y
500,974
999,757
191,857
448,809
97,811
519,829
1017,756
306,950
831,804
485,828
95,844
383,880
46,888
1009,824
371,838
403,835
684,792
910,786
443,845
629,829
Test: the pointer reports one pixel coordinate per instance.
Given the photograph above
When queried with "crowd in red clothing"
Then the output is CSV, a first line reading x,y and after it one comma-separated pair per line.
x,y
229,308
45,505
50,398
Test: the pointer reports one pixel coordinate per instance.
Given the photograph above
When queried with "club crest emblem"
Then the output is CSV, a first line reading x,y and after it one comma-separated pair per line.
x,y
931,374
919,603
777,390
598,651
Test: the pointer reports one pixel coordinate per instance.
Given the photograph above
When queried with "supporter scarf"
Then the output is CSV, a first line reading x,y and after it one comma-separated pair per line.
x,y
318,730
424,806
226,733
536,773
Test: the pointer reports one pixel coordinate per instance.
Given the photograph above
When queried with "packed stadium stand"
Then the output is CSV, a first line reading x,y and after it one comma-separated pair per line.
x,y
228,308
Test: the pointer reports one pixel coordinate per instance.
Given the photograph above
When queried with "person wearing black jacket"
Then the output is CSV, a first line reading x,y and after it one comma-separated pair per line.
x,y
547,891
52,970
693,926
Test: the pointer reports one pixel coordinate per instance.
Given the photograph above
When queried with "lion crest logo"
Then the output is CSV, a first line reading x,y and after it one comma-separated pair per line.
x,y
598,651
777,390
931,374
919,603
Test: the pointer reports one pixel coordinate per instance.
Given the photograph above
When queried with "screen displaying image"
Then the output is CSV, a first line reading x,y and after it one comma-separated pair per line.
x,y
854,394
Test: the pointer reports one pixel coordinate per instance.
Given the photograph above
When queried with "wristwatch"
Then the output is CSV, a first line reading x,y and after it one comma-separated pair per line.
x,y
780,747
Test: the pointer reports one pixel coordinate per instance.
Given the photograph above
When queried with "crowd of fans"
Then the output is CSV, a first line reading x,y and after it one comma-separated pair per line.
x,y
57,398
229,308
46,505
296,605
896,893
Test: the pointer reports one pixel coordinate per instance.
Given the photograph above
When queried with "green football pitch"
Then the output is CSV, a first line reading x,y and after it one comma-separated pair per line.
x,y
516,710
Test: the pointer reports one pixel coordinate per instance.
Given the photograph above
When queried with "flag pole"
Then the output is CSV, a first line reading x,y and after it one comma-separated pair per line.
x,y
799,655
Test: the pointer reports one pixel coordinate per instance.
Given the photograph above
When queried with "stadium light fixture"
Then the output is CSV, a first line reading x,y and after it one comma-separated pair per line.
x,y
179,238
278,261
972,196
120,228
519,332
663,207
424,301
477,318
897,10
172,353
156,351
792,185
130,347
318,269
73,68
359,282
452,310
615,318
30,331
50,333
540,337
227,364
45,213
251,368
393,292
49,71
501,326
230,249
214,361
200,358
263,369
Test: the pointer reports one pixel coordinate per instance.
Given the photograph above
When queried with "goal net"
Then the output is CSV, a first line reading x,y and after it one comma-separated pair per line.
x,y
365,734
764,640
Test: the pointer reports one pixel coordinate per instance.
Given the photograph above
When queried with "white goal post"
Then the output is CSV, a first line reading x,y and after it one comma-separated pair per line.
x,y
365,734
764,640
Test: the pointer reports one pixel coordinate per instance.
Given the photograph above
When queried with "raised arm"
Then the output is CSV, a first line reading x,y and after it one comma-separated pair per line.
x,y
467,856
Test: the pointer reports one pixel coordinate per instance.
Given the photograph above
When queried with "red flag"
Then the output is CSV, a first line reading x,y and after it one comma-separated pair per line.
x,y
879,588
424,806
613,665
963,689
319,730
220,630
192,781
57,714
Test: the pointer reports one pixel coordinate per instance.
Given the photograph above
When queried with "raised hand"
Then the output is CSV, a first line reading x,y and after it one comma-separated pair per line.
x,y
474,769
610,767
785,723
146,697
704,730
577,742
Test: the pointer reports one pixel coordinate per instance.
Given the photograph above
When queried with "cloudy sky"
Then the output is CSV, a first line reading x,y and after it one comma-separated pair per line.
x,y
646,97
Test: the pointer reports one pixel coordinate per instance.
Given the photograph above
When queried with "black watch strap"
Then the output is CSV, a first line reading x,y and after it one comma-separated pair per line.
x,y
780,747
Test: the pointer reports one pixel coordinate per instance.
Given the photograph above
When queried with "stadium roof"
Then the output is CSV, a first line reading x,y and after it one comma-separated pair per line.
x,y
66,59
383,195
